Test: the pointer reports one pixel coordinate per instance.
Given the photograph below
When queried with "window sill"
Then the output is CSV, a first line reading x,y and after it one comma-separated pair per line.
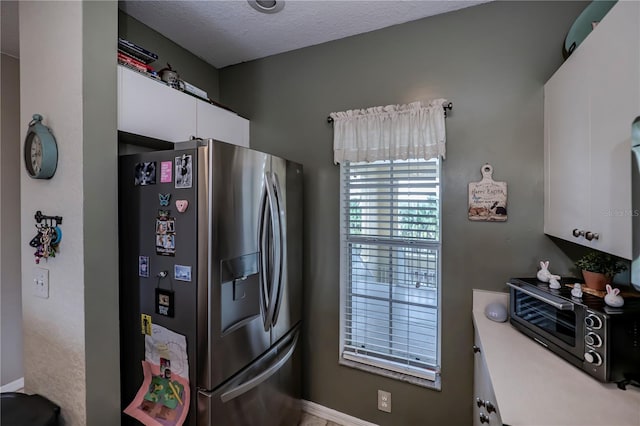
x,y
434,385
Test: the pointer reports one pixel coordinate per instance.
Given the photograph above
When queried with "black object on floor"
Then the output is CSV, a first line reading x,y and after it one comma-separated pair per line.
x,y
632,379
19,409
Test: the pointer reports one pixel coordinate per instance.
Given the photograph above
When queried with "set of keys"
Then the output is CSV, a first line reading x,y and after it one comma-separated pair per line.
x,y
48,237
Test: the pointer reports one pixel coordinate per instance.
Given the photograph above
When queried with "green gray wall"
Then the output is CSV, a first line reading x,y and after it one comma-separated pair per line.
x,y
71,341
189,67
491,61
10,281
100,212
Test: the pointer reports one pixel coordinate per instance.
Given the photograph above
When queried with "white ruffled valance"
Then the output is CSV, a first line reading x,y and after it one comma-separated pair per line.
x,y
392,132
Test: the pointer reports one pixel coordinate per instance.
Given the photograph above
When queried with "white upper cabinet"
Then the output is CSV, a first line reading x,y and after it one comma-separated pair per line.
x,y
615,103
566,156
590,103
221,124
150,108
153,109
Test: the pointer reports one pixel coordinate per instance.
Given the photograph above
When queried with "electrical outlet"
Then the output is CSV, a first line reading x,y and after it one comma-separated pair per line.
x,y
41,282
384,401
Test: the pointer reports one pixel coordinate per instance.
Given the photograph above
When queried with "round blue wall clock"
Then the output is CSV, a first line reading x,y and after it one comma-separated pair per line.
x,y
40,150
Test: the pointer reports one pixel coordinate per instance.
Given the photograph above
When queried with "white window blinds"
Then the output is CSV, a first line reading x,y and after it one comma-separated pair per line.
x,y
390,264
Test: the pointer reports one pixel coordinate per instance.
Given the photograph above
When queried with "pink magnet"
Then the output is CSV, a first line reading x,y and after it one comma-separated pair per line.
x,y
182,205
165,172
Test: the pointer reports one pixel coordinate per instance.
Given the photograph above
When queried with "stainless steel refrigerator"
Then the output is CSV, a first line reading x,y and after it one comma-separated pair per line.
x,y
227,264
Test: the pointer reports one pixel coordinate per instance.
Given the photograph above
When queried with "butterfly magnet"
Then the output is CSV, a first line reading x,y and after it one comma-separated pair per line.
x,y
164,199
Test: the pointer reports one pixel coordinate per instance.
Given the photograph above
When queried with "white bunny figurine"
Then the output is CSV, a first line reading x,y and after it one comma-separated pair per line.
x,y
554,283
613,297
576,291
544,275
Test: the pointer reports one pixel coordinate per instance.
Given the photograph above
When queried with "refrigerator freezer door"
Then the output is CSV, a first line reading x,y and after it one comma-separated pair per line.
x,y
151,228
230,323
266,393
635,203
287,312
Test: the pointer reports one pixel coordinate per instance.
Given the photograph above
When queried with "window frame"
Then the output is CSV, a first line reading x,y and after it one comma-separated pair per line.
x,y
426,377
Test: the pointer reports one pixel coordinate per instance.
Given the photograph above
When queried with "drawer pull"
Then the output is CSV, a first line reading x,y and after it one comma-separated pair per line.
x,y
484,418
591,236
476,349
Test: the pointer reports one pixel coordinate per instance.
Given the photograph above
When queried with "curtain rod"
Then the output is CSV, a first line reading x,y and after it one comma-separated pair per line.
x,y
447,106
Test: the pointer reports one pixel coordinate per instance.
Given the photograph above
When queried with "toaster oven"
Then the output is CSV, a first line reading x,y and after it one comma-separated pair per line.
x,y
600,340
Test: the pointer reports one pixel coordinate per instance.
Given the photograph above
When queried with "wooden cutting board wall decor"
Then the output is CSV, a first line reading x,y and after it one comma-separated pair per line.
x,y
488,198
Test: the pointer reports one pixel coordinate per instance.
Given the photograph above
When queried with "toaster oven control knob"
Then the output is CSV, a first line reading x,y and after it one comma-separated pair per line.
x,y
592,339
593,322
593,357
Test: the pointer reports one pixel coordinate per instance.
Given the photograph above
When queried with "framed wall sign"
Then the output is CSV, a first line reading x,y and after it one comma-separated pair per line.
x,y
488,198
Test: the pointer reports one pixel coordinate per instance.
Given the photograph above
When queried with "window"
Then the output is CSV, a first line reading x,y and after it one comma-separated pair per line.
x,y
390,267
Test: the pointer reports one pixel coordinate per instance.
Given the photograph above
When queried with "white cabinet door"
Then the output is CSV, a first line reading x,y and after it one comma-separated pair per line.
x,y
487,412
615,102
590,103
218,123
566,145
479,377
150,108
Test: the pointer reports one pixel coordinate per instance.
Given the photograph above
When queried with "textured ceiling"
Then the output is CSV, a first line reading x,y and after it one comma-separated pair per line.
x,y
227,32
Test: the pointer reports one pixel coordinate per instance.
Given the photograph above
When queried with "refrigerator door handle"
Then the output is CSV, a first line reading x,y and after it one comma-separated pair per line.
x,y
263,244
205,393
275,261
268,372
280,247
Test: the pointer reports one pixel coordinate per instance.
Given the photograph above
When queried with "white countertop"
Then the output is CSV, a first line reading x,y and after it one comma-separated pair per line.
x,y
535,387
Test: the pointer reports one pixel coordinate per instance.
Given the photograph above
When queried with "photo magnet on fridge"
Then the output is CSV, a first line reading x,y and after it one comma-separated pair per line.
x,y
143,266
166,245
182,272
165,236
184,174
164,302
145,173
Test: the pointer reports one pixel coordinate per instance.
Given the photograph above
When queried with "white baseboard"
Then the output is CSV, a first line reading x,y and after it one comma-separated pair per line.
x,y
332,415
14,386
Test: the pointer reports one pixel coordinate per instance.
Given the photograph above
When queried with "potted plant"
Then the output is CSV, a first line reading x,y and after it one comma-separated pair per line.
x,y
598,269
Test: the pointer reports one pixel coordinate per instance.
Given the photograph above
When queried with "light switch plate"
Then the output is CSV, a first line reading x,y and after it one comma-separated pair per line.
x,y
41,282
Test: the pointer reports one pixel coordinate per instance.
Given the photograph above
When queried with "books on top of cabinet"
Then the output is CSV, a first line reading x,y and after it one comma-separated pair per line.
x,y
137,52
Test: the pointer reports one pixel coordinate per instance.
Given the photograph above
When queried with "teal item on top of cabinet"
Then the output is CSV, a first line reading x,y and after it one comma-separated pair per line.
x,y
584,24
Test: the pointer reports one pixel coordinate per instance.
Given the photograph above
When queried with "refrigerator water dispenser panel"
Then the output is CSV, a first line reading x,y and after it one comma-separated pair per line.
x,y
239,291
